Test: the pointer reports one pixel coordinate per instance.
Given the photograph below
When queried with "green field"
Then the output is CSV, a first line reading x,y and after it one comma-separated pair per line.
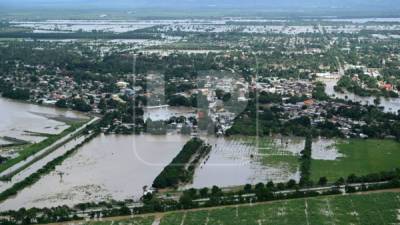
x,y
135,221
376,209
357,209
361,157
271,154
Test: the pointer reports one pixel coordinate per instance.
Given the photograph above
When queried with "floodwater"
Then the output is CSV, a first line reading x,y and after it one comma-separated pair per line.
x,y
118,167
365,20
166,112
389,104
233,162
39,164
325,149
108,167
16,118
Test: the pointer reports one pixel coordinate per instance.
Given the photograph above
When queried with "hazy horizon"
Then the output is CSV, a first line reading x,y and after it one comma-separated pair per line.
x,y
205,4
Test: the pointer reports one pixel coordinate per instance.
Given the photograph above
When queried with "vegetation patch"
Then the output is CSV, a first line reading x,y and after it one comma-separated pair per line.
x,y
361,157
50,166
182,167
35,148
352,209
132,221
271,154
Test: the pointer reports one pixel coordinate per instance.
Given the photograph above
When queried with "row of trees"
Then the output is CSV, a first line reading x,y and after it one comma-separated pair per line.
x,y
182,167
305,162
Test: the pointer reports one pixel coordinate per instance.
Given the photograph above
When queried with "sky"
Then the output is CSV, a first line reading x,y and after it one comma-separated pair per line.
x,y
176,4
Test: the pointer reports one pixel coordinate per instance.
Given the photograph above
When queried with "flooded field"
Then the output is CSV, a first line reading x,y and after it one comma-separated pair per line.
x,y
233,162
92,173
19,120
236,161
204,25
107,167
166,112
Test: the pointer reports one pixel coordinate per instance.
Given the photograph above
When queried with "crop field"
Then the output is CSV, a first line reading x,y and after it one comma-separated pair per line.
x,y
357,209
134,221
382,208
275,154
361,157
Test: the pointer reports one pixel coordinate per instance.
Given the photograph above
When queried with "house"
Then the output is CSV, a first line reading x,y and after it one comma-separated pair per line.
x,y
388,87
309,102
121,84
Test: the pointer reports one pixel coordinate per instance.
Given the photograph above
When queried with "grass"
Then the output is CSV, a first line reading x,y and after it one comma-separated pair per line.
x,y
35,148
134,221
362,157
380,208
272,154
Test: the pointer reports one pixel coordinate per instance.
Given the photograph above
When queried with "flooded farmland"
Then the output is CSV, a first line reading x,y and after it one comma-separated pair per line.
x,y
91,174
108,167
19,120
237,161
233,162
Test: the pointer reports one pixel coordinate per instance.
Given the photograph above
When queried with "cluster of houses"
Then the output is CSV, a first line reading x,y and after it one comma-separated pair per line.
x,y
286,87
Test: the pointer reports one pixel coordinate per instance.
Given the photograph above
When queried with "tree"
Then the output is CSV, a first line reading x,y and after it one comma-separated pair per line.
x,y
216,191
226,97
247,188
18,93
340,181
219,93
186,201
81,105
322,181
62,103
352,178
270,185
291,183
203,192
178,100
